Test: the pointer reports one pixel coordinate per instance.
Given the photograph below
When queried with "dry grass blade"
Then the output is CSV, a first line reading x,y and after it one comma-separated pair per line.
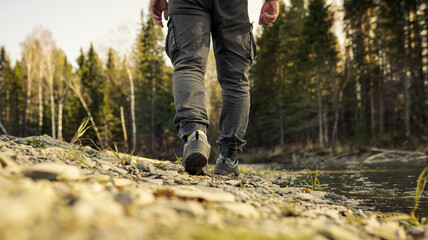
x,y
81,130
420,186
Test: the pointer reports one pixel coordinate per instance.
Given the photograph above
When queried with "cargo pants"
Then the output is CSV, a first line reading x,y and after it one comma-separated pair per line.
x,y
187,45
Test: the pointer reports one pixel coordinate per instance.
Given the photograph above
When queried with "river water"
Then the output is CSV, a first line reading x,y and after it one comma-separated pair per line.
x,y
385,187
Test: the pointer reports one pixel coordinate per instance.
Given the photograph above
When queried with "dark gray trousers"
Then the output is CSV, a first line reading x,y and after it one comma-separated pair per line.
x,y
188,44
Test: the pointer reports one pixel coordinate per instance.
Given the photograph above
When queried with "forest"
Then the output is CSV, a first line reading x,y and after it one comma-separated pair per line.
x,y
307,91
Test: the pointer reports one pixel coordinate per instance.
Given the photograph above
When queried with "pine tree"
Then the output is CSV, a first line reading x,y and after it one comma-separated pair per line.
x,y
154,87
319,56
109,111
266,85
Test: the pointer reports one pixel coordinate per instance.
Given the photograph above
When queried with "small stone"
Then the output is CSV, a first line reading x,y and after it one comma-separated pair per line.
x,y
145,166
171,173
304,196
174,167
6,161
385,230
144,197
120,171
204,193
191,208
318,194
204,184
122,182
235,183
335,197
351,203
153,181
52,171
123,198
241,210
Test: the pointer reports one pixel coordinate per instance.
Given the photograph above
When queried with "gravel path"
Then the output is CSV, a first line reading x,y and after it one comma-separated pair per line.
x,y
51,190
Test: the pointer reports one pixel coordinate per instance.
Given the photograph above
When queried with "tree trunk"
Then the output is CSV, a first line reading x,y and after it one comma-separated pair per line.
x,y
60,120
122,119
51,93
406,73
372,109
40,96
76,90
131,84
3,128
320,115
339,104
325,124
381,95
152,105
28,100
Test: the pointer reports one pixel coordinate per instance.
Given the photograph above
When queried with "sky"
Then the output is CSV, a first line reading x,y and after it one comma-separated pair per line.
x,y
76,23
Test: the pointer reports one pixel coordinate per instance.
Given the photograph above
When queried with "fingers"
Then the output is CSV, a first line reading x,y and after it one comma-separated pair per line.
x,y
157,17
266,19
165,14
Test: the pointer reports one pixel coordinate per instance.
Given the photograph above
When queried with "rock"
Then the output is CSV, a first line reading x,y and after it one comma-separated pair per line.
x,y
142,198
241,210
318,194
270,176
174,167
97,208
385,230
204,184
6,161
145,166
98,177
119,171
153,181
335,197
235,183
351,203
124,198
417,232
205,194
53,172
122,182
191,208
304,196
160,215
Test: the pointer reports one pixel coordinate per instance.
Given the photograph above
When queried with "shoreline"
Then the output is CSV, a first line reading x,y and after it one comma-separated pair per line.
x,y
106,195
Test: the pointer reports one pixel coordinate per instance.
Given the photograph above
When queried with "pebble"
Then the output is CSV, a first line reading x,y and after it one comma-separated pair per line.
x,y
304,196
145,166
53,172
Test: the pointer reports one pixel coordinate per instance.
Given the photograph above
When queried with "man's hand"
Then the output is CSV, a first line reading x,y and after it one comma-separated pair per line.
x,y
269,12
156,9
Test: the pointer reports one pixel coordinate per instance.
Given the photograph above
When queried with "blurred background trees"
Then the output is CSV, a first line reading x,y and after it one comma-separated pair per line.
x,y
308,90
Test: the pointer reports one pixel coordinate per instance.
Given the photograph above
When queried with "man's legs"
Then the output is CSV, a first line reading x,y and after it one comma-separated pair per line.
x,y
234,51
187,45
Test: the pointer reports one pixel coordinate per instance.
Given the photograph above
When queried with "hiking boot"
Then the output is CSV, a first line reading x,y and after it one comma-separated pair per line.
x,y
196,153
226,166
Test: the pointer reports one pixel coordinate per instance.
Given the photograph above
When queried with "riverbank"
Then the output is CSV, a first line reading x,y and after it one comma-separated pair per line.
x,y
51,190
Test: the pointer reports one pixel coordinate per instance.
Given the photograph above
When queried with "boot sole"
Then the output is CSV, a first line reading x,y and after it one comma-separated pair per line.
x,y
195,163
197,157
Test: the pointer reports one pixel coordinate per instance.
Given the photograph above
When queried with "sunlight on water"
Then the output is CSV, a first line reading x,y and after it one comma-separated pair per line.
x,y
385,187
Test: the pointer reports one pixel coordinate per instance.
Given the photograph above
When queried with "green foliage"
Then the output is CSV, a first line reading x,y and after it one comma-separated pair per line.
x,y
125,160
35,144
314,179
160,165
73,152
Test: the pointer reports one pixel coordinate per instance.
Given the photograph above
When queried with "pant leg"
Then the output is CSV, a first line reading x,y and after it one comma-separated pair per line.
x,y
187,45
234,51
